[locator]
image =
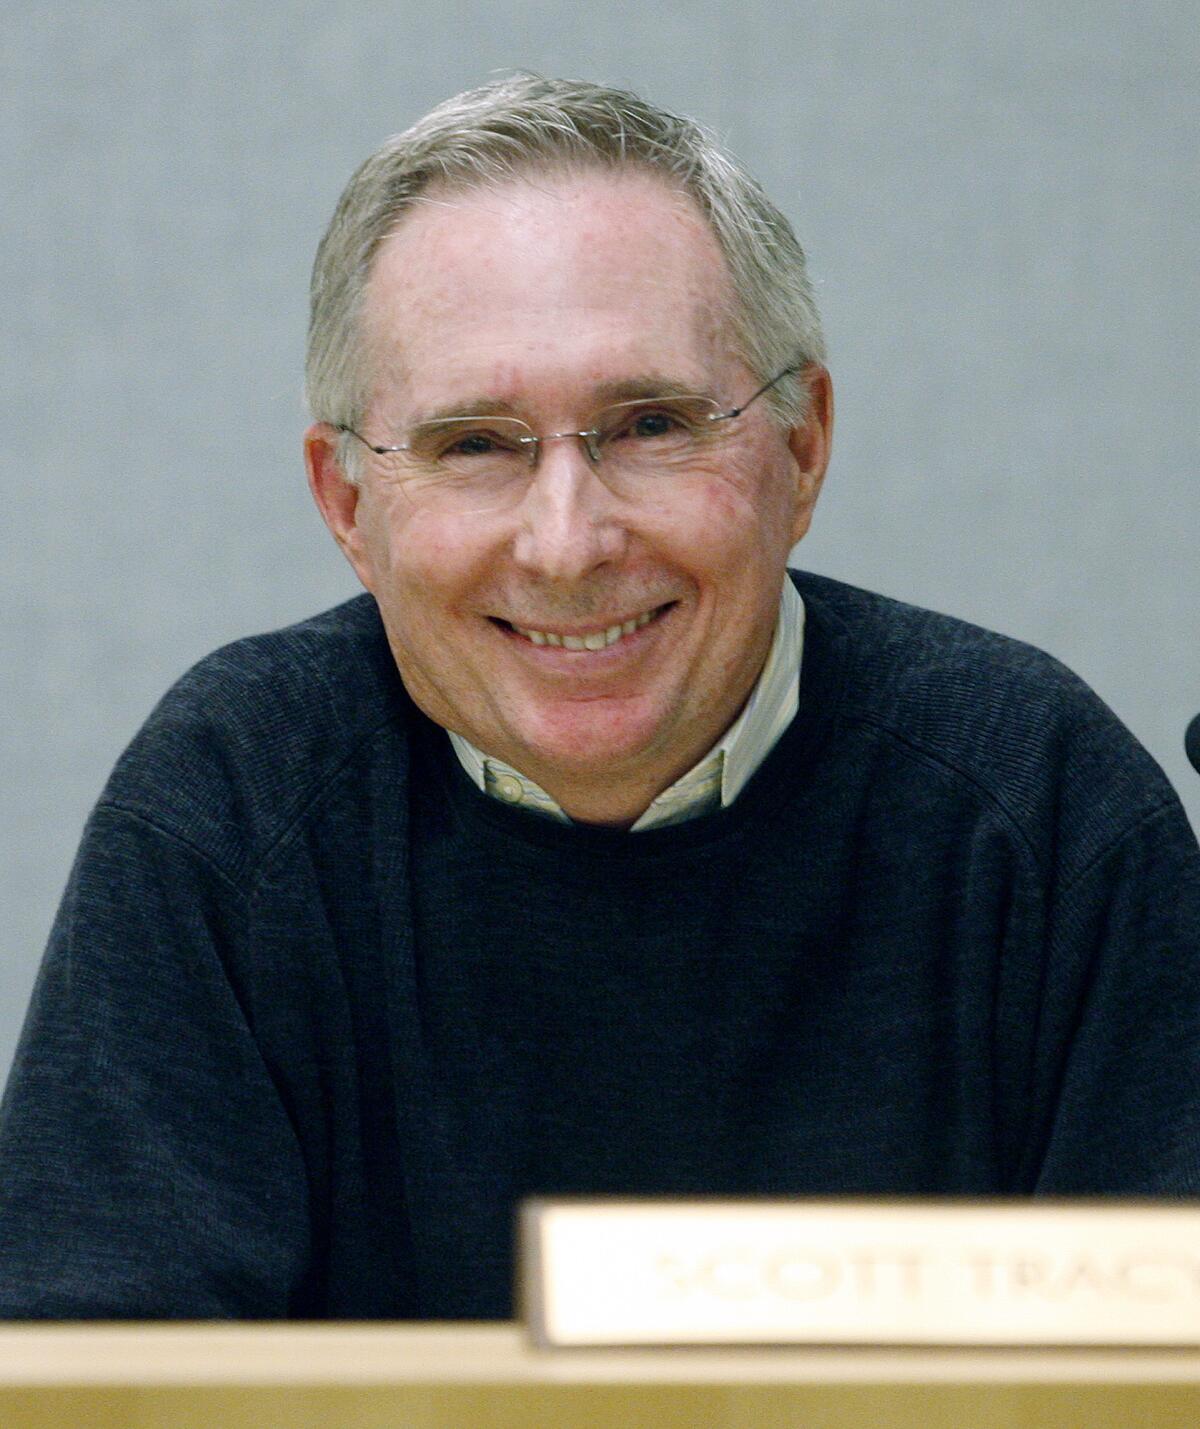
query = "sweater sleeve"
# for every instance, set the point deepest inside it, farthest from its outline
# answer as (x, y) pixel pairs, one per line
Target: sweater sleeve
(147, 1167)
(1126, 934)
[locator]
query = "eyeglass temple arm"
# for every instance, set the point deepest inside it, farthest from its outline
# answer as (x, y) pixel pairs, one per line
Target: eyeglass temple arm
(779, 376)
(370, 446)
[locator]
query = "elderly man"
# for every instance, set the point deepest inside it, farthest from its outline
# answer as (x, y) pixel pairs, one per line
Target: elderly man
(591, 851)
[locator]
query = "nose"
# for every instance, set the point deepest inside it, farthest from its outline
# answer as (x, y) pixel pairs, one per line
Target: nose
(570, 523)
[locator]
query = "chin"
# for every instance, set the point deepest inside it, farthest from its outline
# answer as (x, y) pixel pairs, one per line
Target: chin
(594, 744)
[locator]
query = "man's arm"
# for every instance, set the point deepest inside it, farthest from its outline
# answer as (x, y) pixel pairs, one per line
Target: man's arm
(147, 1168)
(1127, 933)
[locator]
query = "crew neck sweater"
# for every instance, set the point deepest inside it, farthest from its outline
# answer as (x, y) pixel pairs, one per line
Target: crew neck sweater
(317, 1013)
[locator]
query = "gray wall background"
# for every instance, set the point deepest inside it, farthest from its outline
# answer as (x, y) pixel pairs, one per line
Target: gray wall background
(1000, 205)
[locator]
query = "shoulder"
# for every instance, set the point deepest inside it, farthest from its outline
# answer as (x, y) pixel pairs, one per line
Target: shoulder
(248, 738)
(906, 661)
(996, 715)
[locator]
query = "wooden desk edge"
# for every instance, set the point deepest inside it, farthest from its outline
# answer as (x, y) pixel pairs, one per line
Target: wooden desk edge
(438, 1354)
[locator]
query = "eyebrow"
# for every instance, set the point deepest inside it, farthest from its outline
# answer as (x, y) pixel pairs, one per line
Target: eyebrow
(626, 389)
(473, 407)
(654, 385)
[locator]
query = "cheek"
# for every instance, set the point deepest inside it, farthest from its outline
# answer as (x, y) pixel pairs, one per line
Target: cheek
(405, 547)
(727, 519)
(741, 520)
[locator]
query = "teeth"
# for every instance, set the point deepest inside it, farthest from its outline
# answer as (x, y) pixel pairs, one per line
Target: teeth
(594, 640)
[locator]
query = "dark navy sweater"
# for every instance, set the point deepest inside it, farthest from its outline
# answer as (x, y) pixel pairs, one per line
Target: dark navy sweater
(316, 1013)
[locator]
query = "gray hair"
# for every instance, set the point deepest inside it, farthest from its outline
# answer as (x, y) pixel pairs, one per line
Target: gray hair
(524, 124)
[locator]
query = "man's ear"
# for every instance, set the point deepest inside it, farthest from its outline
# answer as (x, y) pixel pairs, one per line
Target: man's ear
(337, 497)
(811, 444)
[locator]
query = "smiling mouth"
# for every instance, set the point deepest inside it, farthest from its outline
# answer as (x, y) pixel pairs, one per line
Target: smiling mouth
(598, 639)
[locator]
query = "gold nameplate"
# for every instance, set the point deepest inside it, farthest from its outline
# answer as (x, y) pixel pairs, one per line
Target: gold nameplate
(715, 1272)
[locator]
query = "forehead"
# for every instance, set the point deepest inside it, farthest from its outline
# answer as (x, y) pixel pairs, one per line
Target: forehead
(562, 275)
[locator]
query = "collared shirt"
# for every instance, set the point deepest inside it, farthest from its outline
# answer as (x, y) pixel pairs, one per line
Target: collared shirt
(718, 778)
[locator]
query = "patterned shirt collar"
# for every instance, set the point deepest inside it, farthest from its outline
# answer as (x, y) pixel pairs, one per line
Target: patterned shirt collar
(718, 778)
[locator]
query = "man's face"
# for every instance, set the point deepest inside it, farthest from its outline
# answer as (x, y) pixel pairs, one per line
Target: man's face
(548, 299)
